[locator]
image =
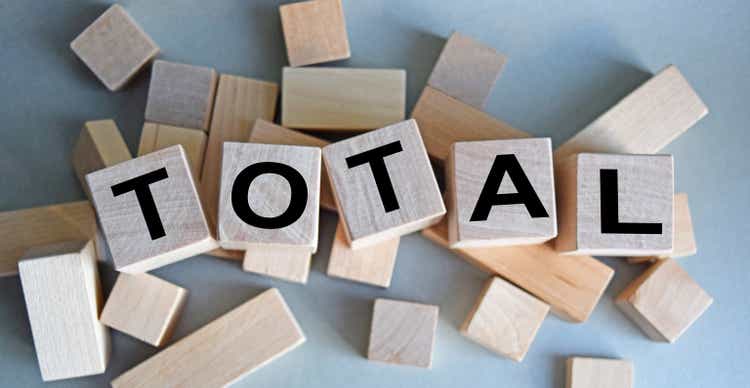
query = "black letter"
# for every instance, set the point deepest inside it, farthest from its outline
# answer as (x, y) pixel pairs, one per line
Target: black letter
(376, 158)
(297, 202)
(142, 190)
(610, 214)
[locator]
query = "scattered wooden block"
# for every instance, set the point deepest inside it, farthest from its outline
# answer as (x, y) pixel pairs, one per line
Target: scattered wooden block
(402, 333)
(144, 307)
(181, 95)
(383, 184)
(585, 372)
(149, 211)
(339, 98)
(160, 136)
(225, 350)
(664, 301)
(372, 265)
(505, 319)
(63, 298)
(314, 32)
(114, 47)
(99, 145)
(684, 236)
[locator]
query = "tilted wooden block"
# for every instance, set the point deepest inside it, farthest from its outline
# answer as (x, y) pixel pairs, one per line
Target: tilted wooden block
(585, 372)
(314, 32)
(225, 350)
(181, 95)
(63, 298)
(371, 265)
(114, 47)
(505, 319)
(684, 236)
(159, 136)
(99, 145)
(664, 301)
(327, 98)
(402, 333)
(144, 307)
(383, 184)
(150, 212)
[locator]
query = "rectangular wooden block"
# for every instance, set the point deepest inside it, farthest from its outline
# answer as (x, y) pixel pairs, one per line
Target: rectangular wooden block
(684, 236)
(181, 95)
(339, 98)
(402, 333)
(372, 265)
(114, 47)
(314, 32)
(99, 145)
(144, 307)
(63, 298)
(290, 263)
(159, 136)
(583, 372)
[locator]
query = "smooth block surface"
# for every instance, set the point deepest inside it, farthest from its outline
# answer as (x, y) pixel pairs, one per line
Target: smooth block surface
(583, 372)
(99, 145)
(156, 137)
(402, 333)
(314, 32)
(371, 265)
(684, 235)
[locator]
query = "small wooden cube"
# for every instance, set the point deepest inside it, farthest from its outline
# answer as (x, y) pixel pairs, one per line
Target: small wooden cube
(372, 265)
(181, 95)
(314, 32)
(383, 184)
(144, 307)
(156, 137)
(684, 236)
(402, 333)
(583, 372)
(149, 211)
(99, 145)
(114, 47)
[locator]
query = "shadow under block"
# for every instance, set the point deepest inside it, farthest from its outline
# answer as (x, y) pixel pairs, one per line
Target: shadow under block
(371, 265)
(99, 145)
(63, 298)
(402, 333)
(181, 95)
(144, 307)
(628, 212)
(684, 236)
(582, 372)
(223, 351)
(484, 172)
(377, 205)
(314, 32)
(159, 136)
(141, 240)
(664, 301)
(505, 319)
(328, 98)
(114, 47)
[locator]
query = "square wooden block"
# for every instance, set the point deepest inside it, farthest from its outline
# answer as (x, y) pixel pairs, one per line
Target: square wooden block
(181, 95)
(149, 211)
(615, 205)
(314, 32)
(402, 333)
(99, 145)
(144, 307)
(383, 184)
(114, 47)
(684, 235)
(583, 372)
(156, 137)
(501, 192)
(372, 265)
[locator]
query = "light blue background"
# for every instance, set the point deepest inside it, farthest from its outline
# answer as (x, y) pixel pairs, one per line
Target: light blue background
(568, 62)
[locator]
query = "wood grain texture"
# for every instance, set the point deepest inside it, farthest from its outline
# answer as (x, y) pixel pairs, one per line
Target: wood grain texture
(372, 265)
(402, 333)
(225, 350)
(63, 298)
(156, 137)
(290, 263)
(583, 372)
(684, 235)
(145, 307)
(99, 145)
(114, 47)
(314, 32)
(327, 98)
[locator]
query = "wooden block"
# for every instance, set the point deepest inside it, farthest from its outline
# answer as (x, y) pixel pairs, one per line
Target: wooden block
(225, 350)
(160, 136)
(403, 333)
(314, 32)
(149, 211)
(502, 192)
(444, 120)
(383, 184)
(181, 95)
(505, 319)
(684, 236)
(467, 70)
(615, 205)
(63, 298)
(99, 145)
(664, 301)
(585, 372)
(144, 307)
(114, 47)
(372, 265)
(327, 98)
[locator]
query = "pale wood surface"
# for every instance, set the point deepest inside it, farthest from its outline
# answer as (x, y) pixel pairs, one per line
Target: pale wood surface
(684, 235)
(290, 263)
(402, 333)
(583, 372)
(314, 32)
(156, 137)
(371, 265)
(99, 145)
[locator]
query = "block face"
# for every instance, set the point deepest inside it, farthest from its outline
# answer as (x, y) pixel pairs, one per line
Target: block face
(314, 32)
(684, 235)
(585, 372)
(402, 333)
(159, 136)
(99, 145)
(287, 262)
(370, 218)
(181, 95)
(372, 265)
(114, 47)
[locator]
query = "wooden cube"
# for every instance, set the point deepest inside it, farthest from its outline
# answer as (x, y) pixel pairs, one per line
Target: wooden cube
(150, 212)
(372, 265)
(383, 184)
(403, 333)
(502, 192)
(156, 137)
(63, 298)
(505, 319)
(615, 205)
(114, 47)
(181, 95)
(664, 301)
(99, 145)
(144, 307)
(583, 372)
(314, 32)
(684, 236)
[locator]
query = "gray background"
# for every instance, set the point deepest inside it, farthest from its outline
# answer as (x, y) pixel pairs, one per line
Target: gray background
(568, 62)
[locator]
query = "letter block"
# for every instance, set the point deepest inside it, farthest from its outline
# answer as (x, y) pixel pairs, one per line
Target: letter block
(616, 205)
(156, 137)
(402, 333)
(586, 372)
(314, 32)
(501, 192)
(99, 145)
(149, 211)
